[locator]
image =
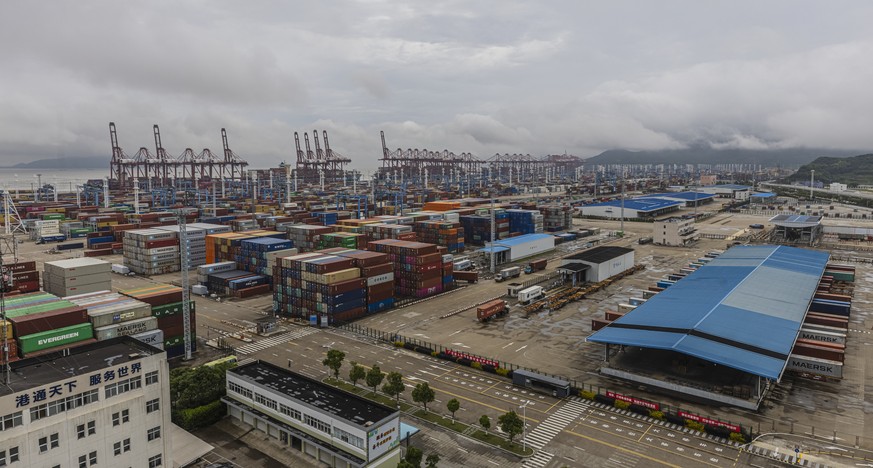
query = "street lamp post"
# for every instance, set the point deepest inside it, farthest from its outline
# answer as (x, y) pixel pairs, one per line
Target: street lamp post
(524, 425)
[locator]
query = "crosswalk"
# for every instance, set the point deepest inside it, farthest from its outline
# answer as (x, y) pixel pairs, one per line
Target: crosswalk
(275, 340)
(548, 429)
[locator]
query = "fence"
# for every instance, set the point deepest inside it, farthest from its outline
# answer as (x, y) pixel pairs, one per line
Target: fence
(751, 427)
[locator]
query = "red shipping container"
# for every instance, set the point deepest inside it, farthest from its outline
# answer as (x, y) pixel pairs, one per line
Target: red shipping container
(374, 297)
(21, 267)
(377, 270)
(58, 348)
(348, 315)
(161, 243)
(348, 285)
(97, 253)
(381, 287)
(26, 286)
(35, 323)
(25, 276)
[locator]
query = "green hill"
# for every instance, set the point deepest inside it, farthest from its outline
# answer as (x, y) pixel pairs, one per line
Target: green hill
(857, 170)
(794, 157)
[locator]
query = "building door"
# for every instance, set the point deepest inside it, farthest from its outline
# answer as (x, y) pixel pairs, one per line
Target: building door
(296, 443)
(283, 437)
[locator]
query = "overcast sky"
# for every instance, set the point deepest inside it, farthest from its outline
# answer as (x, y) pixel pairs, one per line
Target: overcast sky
(532, 77)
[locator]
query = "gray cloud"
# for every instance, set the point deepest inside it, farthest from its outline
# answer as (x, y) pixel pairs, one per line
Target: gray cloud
(481, 77)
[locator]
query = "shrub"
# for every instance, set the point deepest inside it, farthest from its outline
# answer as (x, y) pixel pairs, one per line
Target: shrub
(586, 394)
(435, 354)
(444, 356)
(398, 344)
(694, 425)
(604, 399)
(737, 437)
(409, 346)
(476, 365)
(464, 361)
(502, 372)
(423, 350)
(717, 431)
(621, 404)
(656, 415)
(639, 409)
(672, 418)
(201, 416)
(489, 368)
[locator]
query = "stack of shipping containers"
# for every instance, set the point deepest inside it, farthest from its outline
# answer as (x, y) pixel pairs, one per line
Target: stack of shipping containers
(77, 276)
(378, 271)
(151, 251)
(445, 233)
(342, 239)
(380, 231)
(418, 267)
(318, 284)
(25, 278)
(305, 236)
(41, 323)
(112, 315)
(525, 221)
(556, 217)
(166, 306)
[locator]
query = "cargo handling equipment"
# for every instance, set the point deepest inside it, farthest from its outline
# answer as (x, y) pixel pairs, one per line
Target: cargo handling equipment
(567, 295)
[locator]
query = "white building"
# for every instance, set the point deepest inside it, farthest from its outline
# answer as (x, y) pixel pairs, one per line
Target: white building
(334, 427)
(597, 264)
(838, 187)
(674, 231)
(632, 209)
(517, 248)
(105, 404)
(737, 192)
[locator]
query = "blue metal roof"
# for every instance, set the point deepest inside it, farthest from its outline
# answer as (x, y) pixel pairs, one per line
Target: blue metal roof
(689, 196)
(764, 195)
(742, 310)
(640, 204)
(522, 239)
(497, 248)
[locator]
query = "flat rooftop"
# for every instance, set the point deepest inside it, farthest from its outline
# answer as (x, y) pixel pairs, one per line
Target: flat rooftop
(796, 221)
(687, 196)
(639, 204)
(343, 405)
(599, 255)
(80, 360)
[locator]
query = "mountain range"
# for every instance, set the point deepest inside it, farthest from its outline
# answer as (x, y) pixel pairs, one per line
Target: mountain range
(857, 170)
(87, 162)
(788, 158)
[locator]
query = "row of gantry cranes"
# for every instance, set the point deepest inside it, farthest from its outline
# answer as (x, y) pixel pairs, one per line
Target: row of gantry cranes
(316, 164)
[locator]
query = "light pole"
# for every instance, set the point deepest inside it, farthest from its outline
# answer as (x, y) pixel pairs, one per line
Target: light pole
(524, 425)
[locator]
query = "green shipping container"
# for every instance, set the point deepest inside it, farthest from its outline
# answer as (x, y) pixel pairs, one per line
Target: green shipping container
(171, 309)
(55, 216)
(37, 309)
(177, 340)
(58, 337)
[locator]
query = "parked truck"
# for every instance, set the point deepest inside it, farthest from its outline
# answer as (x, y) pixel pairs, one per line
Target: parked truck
(468, 276)
(491, 310)
(507, 273)
(526, 296)
(536, 265)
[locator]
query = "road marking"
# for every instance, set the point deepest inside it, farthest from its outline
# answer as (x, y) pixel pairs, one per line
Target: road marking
(622, 449)
(519, 349)
(510, 344)
(455, 333)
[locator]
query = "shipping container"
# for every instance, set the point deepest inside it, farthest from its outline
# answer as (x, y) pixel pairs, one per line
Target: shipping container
(53, 338)
(530, 294)
(40, 322)
(490, 310)
(132, 327)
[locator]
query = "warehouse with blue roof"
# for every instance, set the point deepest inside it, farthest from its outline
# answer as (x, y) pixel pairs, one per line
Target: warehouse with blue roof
(633, 208)
(723, 333)
(689, 199)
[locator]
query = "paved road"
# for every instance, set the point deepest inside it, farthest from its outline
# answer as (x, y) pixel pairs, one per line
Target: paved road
(570, 432)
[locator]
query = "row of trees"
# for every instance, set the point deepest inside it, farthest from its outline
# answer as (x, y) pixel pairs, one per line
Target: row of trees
(510, 423)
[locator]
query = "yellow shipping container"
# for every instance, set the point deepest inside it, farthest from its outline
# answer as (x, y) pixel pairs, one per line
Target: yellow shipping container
(342, 275)
(8, 326)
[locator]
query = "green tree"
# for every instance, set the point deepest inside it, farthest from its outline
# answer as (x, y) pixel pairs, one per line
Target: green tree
(405, 464)
(374, 377)
(413, 456)
(334, 361)
(511, 424)
(356, 373)
(394, 385)
(422, 393)
(453, 405)
(432, 460)
(485, 422)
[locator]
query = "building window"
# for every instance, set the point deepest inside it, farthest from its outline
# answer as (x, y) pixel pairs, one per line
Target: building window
(85, 430)
(64, 404)
(154, 433)
(120, 417)
(155, 461)
(153, 405)
(348, 438)
(321, 426)
(151, 377)
(50, 442)
(293, 413)
(7, 458)
(119, 447)
(11, 420)
(123, 386)
(239, 390)
(92, 428)
(262, 400)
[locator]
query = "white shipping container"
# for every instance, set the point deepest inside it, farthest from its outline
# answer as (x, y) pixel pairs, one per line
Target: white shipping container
(77, 266)
(815, 366)
(823, 336)
(530, 294)
(380, 279)
(122, 312)
(133, 327)
(120, 269)
(154, 338)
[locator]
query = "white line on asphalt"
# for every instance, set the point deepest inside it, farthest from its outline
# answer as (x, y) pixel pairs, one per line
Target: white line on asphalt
(510, 344)
(455, 333)
(519, 349)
